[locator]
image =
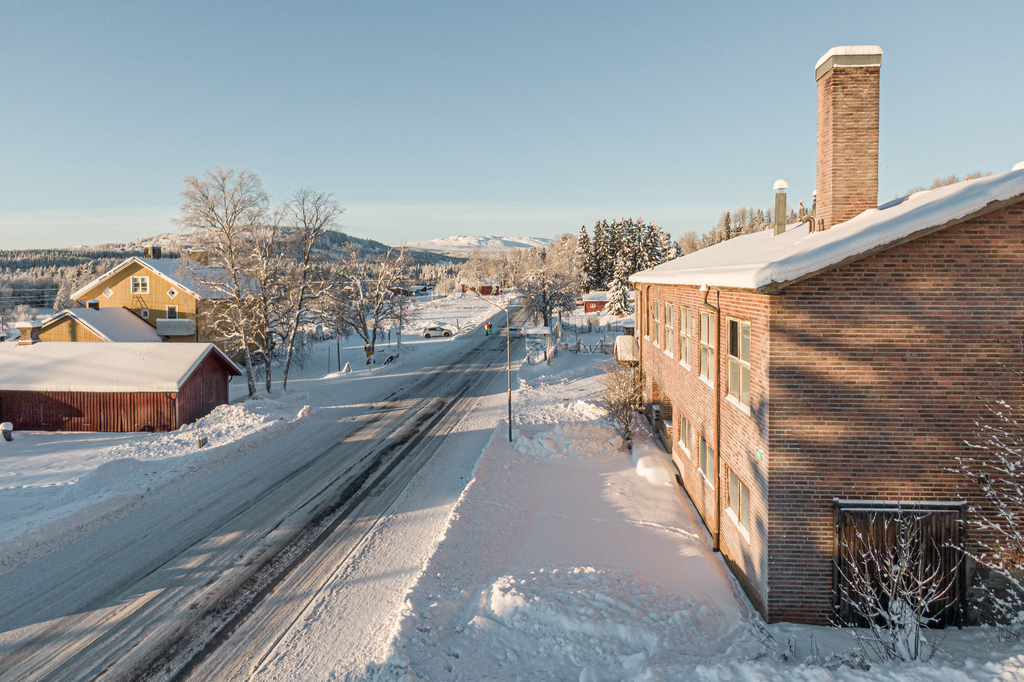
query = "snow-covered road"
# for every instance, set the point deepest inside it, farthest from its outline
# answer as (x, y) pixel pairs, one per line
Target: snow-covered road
(203, 578)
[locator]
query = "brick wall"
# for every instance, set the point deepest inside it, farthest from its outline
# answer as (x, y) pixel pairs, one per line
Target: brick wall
(878, 372)
(742, 430)
(847, 182)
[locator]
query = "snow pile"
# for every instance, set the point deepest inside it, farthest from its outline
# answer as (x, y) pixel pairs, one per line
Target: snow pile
(572, 442)
(50, 477)
(225, 424)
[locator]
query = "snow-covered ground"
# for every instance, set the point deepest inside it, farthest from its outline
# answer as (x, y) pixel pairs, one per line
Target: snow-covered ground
(568, 558)
(52, 485)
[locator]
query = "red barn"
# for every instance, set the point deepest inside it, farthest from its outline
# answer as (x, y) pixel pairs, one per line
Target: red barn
(804, 374)
(64, 386)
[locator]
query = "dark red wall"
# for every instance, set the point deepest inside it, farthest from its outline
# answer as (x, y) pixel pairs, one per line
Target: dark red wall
(204, 390)
(65, 411)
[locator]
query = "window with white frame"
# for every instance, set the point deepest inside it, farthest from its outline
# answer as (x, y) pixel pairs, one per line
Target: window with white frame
(140, 285)
(739, 500)
(172, 292)
(684, 336)
(684, 434)
(144, 313)
(668, 329)
(739, 361)
(655, 321)
(707, 345)
(707, 462)
(172, 312)
(108, 292)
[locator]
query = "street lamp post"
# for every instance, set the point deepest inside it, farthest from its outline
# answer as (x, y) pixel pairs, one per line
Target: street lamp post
(508, 357)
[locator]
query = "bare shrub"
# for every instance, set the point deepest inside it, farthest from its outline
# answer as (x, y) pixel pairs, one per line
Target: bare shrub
(998, 526)
(623, 397)
(894, 594)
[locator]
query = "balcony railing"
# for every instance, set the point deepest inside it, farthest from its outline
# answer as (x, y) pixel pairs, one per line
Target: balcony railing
(175, 327)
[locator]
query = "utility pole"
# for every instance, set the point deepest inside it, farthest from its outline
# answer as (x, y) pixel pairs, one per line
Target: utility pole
(508, 358)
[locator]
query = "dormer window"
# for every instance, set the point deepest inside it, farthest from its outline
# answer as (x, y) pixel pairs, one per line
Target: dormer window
(140, 285)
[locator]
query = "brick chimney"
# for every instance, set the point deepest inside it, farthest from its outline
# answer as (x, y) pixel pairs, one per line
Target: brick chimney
(29, 330)
(847, 132)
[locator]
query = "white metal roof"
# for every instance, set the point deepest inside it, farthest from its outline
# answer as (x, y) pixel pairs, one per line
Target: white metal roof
(102, 367)
(111, 324)
(765, 261)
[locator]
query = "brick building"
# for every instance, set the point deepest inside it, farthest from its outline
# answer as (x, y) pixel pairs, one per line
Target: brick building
(796, 370)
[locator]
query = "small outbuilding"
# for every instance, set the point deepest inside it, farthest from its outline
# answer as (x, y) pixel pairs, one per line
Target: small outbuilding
(596, 301)
(125, 387)
(485, 287)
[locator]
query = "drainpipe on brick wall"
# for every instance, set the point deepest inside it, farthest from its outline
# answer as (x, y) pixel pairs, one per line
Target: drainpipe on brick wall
(717, 533)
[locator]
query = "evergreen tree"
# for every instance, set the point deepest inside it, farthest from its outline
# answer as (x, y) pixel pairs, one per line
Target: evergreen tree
(584, 258)
(727, 227)
(618, 296)
(668, 247)
(603, 256)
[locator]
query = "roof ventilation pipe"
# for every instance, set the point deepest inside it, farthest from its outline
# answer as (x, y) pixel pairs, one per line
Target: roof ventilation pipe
(780, 205)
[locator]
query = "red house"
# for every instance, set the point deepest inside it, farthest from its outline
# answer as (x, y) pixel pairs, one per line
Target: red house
(804, 374)
(487, 287)
(66, 386)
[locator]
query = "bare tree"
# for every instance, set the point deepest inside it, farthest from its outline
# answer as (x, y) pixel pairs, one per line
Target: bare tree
(223, 208)
(266, 268)
(369, 287)
(623, 398)
(552, 279)
(310, 215)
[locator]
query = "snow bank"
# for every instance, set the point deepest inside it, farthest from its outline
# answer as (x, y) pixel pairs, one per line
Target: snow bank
(55, 485)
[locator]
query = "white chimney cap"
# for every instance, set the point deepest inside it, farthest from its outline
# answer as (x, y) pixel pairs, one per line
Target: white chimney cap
(781, 184)
(849, 51)
(1019, 166)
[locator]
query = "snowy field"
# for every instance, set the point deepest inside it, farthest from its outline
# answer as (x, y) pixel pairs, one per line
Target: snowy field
(55, 485)
(568, 559)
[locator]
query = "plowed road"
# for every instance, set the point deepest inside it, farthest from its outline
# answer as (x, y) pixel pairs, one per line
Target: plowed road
(204, 580)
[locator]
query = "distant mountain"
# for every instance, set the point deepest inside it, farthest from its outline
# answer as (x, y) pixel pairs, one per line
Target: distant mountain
(176, 243)
(463, 245)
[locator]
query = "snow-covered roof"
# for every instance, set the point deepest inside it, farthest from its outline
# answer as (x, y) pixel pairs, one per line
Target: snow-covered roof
(102, 367)
(765, 261)
(625, 349)
(111, 324)
(481, 282)
(171, 269)
(536, 331)
(603, 295)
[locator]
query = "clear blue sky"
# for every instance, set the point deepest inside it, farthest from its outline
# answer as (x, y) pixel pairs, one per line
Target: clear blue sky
(433, 118)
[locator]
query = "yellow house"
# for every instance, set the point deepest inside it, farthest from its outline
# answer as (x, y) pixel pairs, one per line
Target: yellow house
(94, 325)
(157, 290)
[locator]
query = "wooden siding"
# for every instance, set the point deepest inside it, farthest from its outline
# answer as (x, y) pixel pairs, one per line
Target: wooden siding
(68, 329)
(203, 391)
(68, 411)
(156, 300)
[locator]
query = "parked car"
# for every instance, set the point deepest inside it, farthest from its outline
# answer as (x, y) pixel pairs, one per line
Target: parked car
(436, 331)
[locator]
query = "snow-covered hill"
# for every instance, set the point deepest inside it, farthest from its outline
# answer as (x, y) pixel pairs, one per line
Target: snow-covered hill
(462, 245)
